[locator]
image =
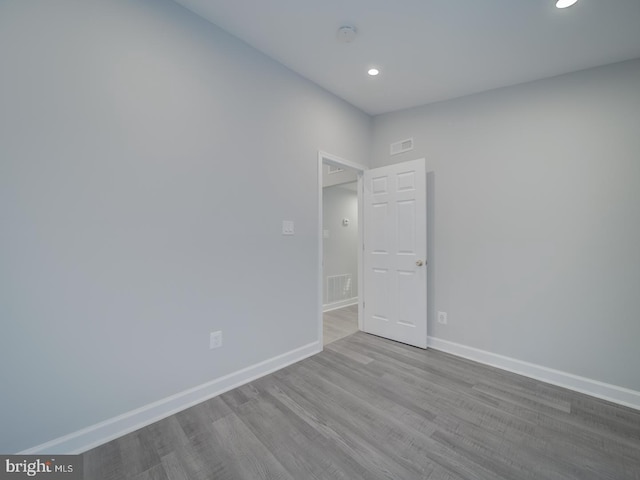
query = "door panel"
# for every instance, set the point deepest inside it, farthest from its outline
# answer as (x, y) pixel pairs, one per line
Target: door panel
(379, 227)
(381, 287)
(406, 227)
(395, 240)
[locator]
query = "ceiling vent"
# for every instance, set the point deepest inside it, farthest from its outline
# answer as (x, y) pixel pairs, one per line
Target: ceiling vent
(402, 146)
(331, 169)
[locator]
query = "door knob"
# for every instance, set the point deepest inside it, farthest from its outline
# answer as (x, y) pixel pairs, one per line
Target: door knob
(419, 263)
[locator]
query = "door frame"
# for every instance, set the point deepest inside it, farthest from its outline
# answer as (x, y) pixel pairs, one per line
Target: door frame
(327, 158)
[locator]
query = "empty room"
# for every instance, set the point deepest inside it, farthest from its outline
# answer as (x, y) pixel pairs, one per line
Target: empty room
(176, 301)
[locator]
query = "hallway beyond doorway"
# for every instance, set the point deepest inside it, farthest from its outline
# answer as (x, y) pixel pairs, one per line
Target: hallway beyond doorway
(339, 323)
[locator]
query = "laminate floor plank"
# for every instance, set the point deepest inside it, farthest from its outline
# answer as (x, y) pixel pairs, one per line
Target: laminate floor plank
(137, 453)
(237, 454)
(295, 443)
(491, 414)
(104, 462)
(500, 446)
(534, 457)
(418, 451)
(370, 408)
(194, 461)
(504, 401)
(350, 353)
(439, 363)
(410, 415)
(337, 324)
(164, 437)
(524, 399)
(371, 382)
(478, 412)
(154, 473)
(173, 467)
(343, 429)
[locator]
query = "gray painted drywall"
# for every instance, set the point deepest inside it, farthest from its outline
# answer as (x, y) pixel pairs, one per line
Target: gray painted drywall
(535, 228)
(146, 160)
(340, 248)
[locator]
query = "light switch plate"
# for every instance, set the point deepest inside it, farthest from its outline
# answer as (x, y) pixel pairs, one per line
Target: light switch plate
(288, 227)
(215, 340)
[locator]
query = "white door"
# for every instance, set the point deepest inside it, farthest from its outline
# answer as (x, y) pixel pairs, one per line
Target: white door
(395, 249)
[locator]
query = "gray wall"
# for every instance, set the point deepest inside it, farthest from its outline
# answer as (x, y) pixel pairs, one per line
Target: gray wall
(535, 227)
(145, 166)
(340, 248)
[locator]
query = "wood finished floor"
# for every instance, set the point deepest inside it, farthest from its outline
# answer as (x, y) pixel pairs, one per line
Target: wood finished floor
(369, 408)
(337, 324)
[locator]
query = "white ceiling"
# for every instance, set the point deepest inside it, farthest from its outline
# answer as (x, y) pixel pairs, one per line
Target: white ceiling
(429, 50)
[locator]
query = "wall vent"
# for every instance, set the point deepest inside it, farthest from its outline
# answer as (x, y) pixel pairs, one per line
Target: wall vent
(339, 288)
(334, 169)
(402, 146)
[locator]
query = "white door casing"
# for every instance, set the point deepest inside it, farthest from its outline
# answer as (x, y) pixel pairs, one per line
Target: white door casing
(324, 157)
(395, 249)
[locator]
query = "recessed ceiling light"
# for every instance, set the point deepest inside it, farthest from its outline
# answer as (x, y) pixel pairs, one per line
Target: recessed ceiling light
(373, 72)
(565, 3)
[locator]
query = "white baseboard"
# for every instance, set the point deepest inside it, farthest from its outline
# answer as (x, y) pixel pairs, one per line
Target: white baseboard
(341, 304)
(95, 435)
(620, 395)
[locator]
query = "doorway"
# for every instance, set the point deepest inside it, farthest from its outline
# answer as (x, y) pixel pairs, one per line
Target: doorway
(340, 253)
(393, 209)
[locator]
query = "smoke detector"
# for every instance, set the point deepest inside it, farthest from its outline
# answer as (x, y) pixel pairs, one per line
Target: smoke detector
(347, 34)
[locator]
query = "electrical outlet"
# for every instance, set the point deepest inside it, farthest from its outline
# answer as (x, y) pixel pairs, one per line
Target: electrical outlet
(215, 340)
(442, 317)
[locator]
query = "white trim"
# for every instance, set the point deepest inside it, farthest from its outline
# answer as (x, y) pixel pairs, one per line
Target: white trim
(335, 160)
(361, 250)
(620, 395)
(328, 307)
(320, 237)
(324, 157)
(95, 435)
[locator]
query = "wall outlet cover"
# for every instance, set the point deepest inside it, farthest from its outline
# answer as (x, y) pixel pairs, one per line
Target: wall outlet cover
(442, 317)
